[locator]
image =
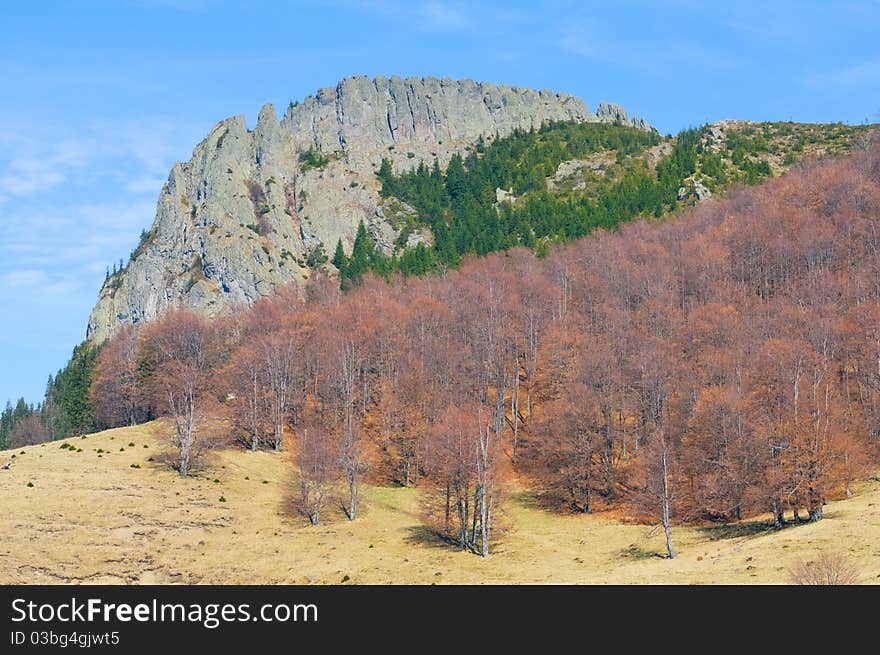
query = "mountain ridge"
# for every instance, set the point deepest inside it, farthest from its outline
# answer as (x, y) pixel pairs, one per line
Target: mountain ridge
(252, 209)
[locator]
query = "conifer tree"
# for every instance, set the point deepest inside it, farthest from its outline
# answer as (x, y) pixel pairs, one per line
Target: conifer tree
(361, 254)
(340, 261)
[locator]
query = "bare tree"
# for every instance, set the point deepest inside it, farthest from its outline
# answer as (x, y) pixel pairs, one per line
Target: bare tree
(351, 464)
(176, 351)
(315, 467)
(829, 568)
(115, 393)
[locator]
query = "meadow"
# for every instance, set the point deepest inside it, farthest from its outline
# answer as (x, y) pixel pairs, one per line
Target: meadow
(105, 509)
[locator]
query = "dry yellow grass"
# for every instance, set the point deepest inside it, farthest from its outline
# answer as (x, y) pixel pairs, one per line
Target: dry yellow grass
(98, 520)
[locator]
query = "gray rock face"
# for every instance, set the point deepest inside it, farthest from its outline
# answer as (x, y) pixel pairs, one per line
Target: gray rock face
(245, 213)
(696, 189)
(609, 112)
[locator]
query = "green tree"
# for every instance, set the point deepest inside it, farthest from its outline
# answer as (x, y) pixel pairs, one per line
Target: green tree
(6, 425)
(456, 178)
(340, 261)
(361, 254)
(69, 393)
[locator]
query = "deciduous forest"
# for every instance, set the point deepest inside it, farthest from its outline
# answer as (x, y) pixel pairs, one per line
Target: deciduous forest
(719, 364)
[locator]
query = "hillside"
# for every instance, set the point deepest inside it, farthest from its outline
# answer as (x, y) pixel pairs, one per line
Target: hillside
(713, 372)
(255, 209)
(91, 519)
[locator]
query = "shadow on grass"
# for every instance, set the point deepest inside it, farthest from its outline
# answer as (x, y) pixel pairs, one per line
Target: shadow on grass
(737, 530)
(422, 535)
(634, 552)
(527, 500)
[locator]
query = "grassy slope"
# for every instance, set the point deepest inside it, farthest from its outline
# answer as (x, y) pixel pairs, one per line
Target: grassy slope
(96, 519)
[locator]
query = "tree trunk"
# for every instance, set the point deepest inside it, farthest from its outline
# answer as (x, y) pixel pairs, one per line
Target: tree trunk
(484, 522)
(514, 408)
(778, 514)
(667, 526)
(352, 501)
(448, 508)
(477, 510)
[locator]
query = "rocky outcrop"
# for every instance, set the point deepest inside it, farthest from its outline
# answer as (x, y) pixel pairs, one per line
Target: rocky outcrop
(694, 188)
(253, 208)
(608, 112)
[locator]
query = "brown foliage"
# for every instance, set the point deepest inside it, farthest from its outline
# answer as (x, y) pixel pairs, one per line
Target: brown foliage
(27, 432)
(177, 353)
(115, 394)
(718, 365)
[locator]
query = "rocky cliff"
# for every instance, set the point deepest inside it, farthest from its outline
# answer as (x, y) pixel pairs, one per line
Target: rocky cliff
(254, 209)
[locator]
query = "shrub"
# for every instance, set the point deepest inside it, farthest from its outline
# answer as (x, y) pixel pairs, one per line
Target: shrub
(829, 568)
(312, 159)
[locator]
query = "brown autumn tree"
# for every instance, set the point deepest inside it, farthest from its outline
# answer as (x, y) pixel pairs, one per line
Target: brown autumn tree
(176, 350)
(247, 396)
(27, 432)
(466, 477)
(116, 393)
(715, 366)
(314, 459)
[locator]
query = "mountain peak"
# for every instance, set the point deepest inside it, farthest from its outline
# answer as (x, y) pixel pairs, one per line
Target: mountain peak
(251, 209)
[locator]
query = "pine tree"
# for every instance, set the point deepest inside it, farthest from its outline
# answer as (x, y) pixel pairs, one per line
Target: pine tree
(69, 392)
(6, 424)
(361, 254)
(456, 181)
(386, 176)
(340, 261)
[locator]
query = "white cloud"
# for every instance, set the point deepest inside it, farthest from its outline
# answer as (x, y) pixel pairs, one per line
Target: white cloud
(23, 278)
(33, 172)
(74, 242)
(141, 152)
(445, 16)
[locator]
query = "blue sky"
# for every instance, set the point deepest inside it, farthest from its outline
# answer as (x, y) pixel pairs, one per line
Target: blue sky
(99, 98)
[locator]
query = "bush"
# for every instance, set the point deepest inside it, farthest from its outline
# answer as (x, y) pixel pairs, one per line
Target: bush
(829, 568)
(312, 159)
